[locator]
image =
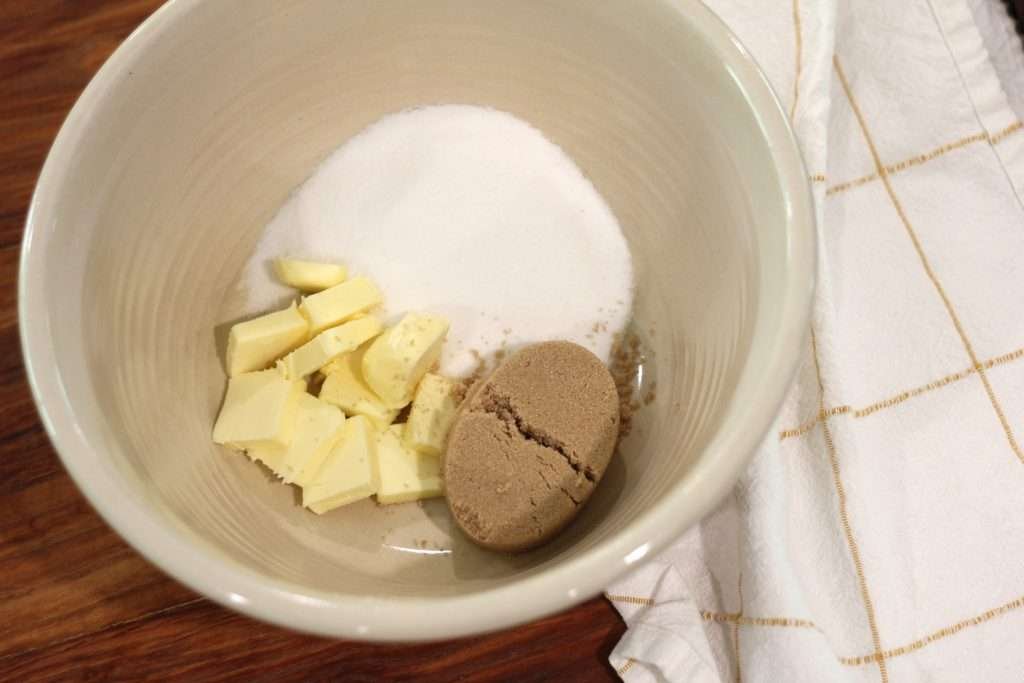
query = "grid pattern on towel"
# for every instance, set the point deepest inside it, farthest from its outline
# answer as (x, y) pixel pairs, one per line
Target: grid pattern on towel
(906, 422)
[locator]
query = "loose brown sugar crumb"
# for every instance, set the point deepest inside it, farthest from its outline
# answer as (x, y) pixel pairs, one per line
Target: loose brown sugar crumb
(652, 394)
(480, 371)
(466, 383)
(462, 388)
(626, 357)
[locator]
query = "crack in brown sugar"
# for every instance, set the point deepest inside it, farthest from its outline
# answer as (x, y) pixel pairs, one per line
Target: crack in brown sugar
(552, 487)
(502, 408)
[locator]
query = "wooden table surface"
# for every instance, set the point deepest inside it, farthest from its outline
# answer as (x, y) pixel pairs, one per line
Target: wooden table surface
(76, 603)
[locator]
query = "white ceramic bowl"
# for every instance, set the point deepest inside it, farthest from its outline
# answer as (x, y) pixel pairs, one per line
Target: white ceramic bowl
(194, 132)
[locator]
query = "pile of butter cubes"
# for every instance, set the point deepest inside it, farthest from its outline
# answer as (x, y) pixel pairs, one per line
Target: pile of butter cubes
(341, 445)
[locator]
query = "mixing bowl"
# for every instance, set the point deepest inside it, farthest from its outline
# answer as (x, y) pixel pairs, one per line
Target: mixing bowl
(192, 135)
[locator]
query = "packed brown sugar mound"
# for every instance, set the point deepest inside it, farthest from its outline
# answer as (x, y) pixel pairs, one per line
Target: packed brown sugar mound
(530, 445)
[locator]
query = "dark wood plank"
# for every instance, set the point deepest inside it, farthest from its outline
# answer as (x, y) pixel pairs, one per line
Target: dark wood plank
(199, 640)
(8, 290)
(49, 49)
(65, 572)
(76, 602)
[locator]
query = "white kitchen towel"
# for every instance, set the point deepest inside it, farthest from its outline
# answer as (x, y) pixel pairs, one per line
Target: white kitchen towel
(878, 534)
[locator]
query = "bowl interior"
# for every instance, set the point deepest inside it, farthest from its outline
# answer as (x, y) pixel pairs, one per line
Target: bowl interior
(216, 113)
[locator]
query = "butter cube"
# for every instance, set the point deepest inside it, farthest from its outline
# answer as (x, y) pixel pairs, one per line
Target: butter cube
(271, 456)
(397, 360)
(338, 303)
(345, 388)
(348, 473)
(402, 473)
(255, 344)
(309, 276)
(433, 411)
(328, 345)
(258, 411)
(317, 429)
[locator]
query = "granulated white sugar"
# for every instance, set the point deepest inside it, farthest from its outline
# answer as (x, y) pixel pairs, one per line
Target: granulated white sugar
(469, 213)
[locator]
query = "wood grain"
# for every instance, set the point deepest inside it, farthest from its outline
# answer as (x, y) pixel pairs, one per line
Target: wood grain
(197, 640)
(76, 603)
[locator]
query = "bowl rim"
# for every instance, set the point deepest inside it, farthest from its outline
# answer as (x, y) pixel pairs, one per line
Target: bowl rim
(405, 618)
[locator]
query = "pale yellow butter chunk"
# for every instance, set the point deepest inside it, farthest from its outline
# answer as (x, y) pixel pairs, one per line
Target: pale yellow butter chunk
(347, 475)
(255, 344)
(402, 473)
(258, 411)
(397, 360)
(330, 344)
(433, 411)
(317, 429)
(271, 456)
(344, 387)
(338, 303)
(309, 276)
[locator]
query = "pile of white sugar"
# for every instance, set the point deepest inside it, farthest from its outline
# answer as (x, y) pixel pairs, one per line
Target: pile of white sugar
(469, 213)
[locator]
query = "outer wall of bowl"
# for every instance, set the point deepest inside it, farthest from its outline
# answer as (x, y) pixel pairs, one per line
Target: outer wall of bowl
(571, 582)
